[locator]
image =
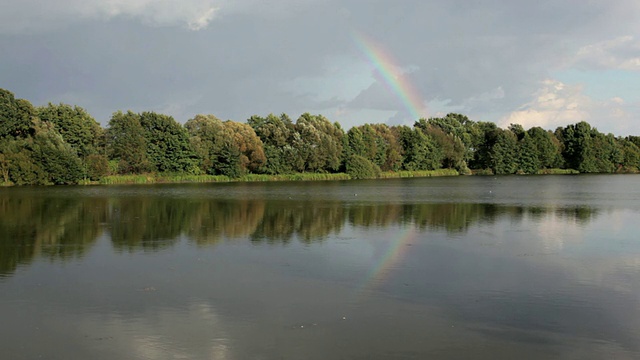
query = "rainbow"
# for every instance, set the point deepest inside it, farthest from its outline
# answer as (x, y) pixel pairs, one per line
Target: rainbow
(396, 81)
(394, 254)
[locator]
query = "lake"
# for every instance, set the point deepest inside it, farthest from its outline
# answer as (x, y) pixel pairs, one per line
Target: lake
(520, 267)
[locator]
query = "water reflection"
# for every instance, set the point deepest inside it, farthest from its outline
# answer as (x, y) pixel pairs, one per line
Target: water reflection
(303, 271)
(65, 227)
(53, 228)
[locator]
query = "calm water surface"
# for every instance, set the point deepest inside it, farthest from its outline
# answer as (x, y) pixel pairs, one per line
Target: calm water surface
(445, 268)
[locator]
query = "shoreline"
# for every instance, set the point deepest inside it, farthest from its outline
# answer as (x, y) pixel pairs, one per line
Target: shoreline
(183, 179)
(152, 178)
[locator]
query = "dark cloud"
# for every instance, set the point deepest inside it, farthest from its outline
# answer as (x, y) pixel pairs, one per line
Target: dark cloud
(147, 56)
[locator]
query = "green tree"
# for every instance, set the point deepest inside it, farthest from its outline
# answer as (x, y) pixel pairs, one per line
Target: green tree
(634, 139)
(377, 143)
(19, 164)
(167, 144)
(242, 143)
(318, 143)
(359, 167)
(547, 146)
(487, 136)
(608, 153)
(459, 129)
(126, 143)
(517, 130)
(15, 116)
(503, 153)
(356, 143)
(206, 135)
(56, 157)
(528, 160)
(578, 149)
(227, 148)
(452, 148)
(276, 134)
(77, 127)
(631, 155)
(419, 150)
(393, 149)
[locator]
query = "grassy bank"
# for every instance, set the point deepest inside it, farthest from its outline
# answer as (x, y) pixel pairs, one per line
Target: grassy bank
(558, 172)
(186, 178)
(412, 174)
(489, 172)
(183, 178)
(160, 179)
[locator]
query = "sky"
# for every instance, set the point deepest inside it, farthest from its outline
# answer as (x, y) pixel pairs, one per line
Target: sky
(545, 63)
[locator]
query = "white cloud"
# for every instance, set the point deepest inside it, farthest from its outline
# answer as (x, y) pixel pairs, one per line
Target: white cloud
(621, 53)
(557, 104)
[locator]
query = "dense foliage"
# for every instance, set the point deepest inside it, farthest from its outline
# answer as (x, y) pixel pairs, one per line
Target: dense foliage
(63, 144)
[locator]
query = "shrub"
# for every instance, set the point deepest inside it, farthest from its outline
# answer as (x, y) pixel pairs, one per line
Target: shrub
(97, 166)
(359, 167)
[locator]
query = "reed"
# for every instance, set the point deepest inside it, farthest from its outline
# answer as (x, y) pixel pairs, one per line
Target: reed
(482, 172)
(128, 179)
(558, 172)
(188, 178)
(421, 173)
(295, 177)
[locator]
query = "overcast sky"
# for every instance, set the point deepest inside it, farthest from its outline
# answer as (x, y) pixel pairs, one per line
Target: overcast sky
(542, 63)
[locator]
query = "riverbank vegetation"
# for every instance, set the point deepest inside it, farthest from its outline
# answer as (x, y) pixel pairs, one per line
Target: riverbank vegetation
(64, 144)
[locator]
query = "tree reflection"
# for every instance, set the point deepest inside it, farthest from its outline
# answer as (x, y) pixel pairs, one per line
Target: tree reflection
(148, 223)
(215, 220)
(308, 221)
(62, 228)
(57, 228)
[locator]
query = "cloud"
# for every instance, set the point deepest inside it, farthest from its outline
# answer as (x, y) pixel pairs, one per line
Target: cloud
(554, 104)
(485, 60)
(34, 16)
(377, 97)
(621, 53)
(558, 104)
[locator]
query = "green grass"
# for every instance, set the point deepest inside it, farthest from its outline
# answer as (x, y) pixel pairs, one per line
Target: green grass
(489, 172)
(294, 177)
(412, 174)
(558, 172)
(186, 178)
(127, 179)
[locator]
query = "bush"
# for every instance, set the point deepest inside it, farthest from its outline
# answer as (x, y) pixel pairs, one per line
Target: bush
(359, 167)
(97, 166)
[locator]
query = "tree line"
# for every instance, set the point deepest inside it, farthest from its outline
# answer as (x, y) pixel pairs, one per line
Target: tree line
(64, 144)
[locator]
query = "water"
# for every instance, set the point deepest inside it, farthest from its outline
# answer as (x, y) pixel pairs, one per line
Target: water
(447, 268)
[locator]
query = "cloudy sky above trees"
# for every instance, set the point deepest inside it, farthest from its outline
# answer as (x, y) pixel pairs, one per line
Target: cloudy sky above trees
(547, 63)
